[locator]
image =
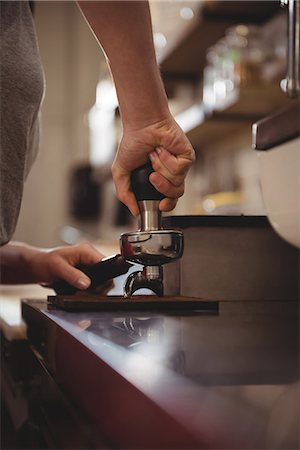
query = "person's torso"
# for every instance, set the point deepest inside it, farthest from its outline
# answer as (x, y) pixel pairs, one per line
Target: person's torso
(21, 92)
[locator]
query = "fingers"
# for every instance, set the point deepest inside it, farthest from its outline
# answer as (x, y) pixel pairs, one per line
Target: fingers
(169, 175)
(165, 187)
(171, 155)
(85, 253)
(70, 274)
(61, 263)
(161, 184)
(173, 167)
(167, 204)
(123, 190)
(169, 182)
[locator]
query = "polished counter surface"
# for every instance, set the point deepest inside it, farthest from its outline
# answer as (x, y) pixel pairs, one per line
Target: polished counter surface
(228, 379)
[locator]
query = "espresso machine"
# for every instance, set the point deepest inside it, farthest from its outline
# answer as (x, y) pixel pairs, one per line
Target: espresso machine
(151, 247)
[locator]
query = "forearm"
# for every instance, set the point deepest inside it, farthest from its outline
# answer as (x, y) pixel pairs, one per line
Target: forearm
(21, 263)
(15, 267)
(124, 31)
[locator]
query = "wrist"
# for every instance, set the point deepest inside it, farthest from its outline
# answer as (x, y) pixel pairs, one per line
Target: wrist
(144, 117)
(17, 263)
(31, 260)
(142, 99)
(142, 122)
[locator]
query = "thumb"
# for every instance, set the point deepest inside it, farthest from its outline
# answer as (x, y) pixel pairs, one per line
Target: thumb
(71, 275)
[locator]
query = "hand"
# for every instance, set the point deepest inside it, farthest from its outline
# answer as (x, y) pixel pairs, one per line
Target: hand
(171, 155)
(46, 267)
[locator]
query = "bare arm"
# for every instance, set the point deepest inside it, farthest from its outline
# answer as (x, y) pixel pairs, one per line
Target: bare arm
(124, 31)
(21, 263)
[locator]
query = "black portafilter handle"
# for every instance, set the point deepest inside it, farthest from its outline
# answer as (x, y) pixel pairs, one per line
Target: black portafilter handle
(141, 186)
(99, 273)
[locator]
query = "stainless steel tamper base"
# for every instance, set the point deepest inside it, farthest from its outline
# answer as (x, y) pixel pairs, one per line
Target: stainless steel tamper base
(152, 249)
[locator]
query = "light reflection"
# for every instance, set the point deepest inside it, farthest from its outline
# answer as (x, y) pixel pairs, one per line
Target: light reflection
(220, 89)
(186, 13)
(103, 139)
(10, 312)
(84, 324)
(70, 235)
(143, 336)
(241, 406)
(160, 40)
(190, 118)
(143, 368)
(209, 205)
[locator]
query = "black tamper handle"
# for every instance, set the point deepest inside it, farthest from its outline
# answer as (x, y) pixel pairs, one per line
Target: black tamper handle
(141, 186)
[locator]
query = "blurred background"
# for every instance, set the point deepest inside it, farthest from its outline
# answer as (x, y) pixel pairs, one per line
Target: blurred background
(221, 62)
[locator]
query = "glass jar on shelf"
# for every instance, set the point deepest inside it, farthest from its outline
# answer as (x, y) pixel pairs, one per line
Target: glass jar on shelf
(219, 77)
(209, 76)
(251, 51)
(237, 60)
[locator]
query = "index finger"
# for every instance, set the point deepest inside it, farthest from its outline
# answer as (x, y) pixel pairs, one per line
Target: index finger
(123, 189)
(175, 164)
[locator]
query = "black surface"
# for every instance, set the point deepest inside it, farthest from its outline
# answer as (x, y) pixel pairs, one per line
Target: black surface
(141, 186)
(216, 221)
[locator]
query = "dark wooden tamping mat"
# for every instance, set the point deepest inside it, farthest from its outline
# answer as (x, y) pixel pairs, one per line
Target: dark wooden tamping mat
(137, 302)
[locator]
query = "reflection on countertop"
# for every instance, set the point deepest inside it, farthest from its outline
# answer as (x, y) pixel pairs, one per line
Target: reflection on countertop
(239, 368)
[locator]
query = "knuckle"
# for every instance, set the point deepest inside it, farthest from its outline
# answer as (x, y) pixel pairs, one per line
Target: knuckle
(121, 196)
(186, 163)
(188, 158)
(177, 181)
(192, 155)
(83, 246)
(173, 171)
(87, 245)
(54, 258)
(75, 275)
(114, 171)
(56, 265)
(171, 203)
(161, 184)
(179, 191)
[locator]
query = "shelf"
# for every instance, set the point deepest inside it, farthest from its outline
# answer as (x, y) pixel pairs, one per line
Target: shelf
(254, 102)
(184, 56)
(213, 129)
(250, 11)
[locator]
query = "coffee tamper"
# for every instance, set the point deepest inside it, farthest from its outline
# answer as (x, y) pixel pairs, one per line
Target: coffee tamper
(151, 246)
